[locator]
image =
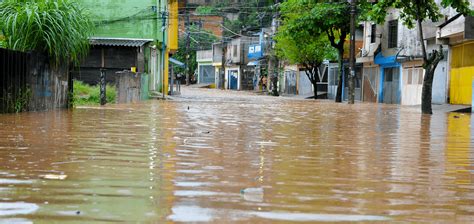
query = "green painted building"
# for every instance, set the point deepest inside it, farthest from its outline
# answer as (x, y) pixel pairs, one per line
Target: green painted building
(128, 34)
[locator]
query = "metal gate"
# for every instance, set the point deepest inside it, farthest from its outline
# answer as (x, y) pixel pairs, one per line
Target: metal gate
(290, 82)
(14, 93)
(391, 85)
(206, 74)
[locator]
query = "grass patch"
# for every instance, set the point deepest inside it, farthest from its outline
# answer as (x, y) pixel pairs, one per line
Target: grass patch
(85, 94)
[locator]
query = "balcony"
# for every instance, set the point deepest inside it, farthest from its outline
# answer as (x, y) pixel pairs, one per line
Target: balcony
(204, 56)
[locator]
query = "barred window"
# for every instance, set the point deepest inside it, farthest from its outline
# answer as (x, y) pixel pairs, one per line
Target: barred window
(392, 33)
(373, 33)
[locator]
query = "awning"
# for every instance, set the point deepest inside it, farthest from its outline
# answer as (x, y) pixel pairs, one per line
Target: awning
(118, 42)
(380, 59)
(176, 62)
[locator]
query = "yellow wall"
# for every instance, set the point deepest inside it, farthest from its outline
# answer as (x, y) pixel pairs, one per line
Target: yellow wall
(173, 26)
(462, 73)
(461, 85)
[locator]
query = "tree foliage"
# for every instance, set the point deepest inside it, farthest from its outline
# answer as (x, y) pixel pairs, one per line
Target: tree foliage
(302, 46)
(330, 17)
(413, 10)
(59, 28)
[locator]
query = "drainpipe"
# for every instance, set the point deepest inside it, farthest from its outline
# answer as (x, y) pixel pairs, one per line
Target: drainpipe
(163, 51)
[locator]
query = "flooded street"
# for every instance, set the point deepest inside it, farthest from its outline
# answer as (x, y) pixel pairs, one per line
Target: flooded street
(236, 158)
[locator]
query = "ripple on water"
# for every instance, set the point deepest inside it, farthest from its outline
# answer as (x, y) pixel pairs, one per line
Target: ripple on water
(17, 208)
(184, 213)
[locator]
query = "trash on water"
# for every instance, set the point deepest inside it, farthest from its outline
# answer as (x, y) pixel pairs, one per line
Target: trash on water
(54, 176)
(252, 194)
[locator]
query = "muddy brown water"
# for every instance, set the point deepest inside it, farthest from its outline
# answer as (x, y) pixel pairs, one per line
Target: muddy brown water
(247, 160)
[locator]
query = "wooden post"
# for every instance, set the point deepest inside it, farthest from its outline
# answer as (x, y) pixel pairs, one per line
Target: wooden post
(103, 96)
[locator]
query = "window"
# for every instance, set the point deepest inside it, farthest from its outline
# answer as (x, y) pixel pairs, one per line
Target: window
(388, 75)
(392, 33)
(373, 33)
(234, 50)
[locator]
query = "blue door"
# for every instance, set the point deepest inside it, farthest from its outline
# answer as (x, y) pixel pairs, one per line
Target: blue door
(233, 77)
(391, 85)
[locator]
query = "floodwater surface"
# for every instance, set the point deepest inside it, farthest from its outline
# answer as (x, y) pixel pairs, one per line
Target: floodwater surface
(248, 160)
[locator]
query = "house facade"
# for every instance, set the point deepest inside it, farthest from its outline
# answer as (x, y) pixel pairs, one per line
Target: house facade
(140, 39)
(392, 70)
(238, 74)
(205, 70)
(457, 32)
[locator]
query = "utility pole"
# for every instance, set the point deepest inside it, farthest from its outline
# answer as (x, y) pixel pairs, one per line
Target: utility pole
(186, 24)
(224, 51)
(352, 75)
(163, 52)
(273, 62)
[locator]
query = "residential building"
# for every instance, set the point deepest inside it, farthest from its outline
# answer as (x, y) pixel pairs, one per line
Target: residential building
(392, 63)
(205, 71)
(238, 74)
(458, 33)
(139, 38)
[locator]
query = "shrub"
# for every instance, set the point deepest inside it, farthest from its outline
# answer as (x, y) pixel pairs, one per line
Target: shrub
(85, 94)
(59, 28)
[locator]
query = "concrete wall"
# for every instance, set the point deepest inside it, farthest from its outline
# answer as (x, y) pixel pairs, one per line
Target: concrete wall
(408, 43)
(128, 87)
(412, 83)
(209, 23)
(125, 18)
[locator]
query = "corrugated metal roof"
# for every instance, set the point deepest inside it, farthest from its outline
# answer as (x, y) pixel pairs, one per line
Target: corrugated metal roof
(119, 42)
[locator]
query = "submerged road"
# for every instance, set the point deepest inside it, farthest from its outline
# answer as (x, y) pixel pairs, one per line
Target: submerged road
(220, 156)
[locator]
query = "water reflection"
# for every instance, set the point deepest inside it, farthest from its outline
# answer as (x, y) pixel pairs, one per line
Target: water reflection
(250, 160)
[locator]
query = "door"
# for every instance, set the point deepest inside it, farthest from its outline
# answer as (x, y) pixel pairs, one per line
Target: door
(153, 70)
(290, 82)
(333, 81)
(391, 85)
(440, 82)
(233, 77)
(370, 82)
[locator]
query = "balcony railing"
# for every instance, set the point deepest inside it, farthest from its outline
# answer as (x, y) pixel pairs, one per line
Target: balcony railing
(205, 55)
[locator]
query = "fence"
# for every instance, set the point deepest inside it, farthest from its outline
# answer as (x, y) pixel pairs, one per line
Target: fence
(28, 82)
(14, 95)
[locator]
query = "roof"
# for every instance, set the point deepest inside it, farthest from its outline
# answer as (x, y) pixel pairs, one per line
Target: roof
(118, 42)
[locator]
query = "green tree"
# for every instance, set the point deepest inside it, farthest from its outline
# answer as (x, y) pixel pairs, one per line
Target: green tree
(199, 40)
(414, 12)
(330, 17)
(302, 47)
(59, 28)
(307, 50)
